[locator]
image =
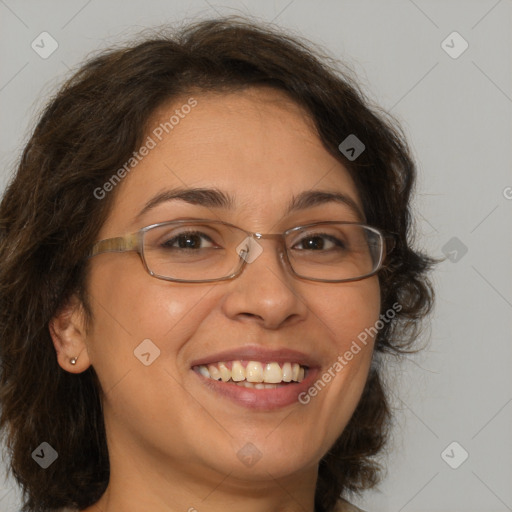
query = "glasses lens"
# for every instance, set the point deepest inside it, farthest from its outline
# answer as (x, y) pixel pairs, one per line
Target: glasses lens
(193, 251)
(335, 251)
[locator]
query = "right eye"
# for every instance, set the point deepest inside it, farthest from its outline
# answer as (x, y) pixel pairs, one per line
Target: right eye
(188, 240)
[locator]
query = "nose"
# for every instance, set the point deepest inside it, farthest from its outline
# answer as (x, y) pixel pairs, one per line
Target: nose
(266, 291)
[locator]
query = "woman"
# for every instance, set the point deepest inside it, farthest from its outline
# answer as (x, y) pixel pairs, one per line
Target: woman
(160, 351)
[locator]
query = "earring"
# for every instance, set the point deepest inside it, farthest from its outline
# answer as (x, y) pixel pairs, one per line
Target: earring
(73, 360)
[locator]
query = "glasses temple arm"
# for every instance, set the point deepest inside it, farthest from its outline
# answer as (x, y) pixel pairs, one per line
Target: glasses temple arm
(118, 244)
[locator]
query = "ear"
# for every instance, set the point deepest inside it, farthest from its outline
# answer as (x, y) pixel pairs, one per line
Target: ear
(68, 332)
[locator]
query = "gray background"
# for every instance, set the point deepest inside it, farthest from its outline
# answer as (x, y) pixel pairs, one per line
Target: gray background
(457, 114)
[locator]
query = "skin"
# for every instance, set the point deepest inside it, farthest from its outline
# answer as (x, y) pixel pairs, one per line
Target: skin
(172, 442)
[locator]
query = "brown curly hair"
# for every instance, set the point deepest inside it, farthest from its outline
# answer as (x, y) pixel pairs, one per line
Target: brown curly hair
(49, 217)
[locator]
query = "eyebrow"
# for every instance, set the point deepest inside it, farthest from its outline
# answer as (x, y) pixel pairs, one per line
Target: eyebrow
(214, 198)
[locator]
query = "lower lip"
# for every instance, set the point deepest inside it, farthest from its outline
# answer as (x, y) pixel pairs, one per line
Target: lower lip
(261, 399)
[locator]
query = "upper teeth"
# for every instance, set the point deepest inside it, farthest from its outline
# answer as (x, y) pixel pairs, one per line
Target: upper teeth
(271, 373)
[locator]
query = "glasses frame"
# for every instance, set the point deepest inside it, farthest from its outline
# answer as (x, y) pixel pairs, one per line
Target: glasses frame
(135, 242)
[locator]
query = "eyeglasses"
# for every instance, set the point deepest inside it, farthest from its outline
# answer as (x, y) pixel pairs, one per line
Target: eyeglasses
(202, 251)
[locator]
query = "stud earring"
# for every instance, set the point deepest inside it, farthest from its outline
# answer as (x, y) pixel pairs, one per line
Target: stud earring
(73, 360)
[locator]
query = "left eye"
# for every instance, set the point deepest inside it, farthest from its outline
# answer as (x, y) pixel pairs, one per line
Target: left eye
(319, 242)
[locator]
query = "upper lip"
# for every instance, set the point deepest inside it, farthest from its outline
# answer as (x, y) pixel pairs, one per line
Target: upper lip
(256, 353)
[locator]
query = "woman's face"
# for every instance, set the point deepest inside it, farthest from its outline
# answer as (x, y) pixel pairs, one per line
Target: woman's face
(258, 148)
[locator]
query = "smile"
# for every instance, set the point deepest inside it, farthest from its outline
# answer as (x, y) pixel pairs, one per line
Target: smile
(253, 390)
(254, 374)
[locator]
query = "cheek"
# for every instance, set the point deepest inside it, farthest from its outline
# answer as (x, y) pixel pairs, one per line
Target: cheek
(349, 308)
(349, 313)
(128, 311)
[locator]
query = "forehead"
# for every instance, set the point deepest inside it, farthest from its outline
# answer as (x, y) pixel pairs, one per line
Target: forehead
(242, 124)
(256, 145)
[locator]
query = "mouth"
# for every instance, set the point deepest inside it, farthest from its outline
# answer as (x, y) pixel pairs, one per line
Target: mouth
(254, 374)
(257, 378)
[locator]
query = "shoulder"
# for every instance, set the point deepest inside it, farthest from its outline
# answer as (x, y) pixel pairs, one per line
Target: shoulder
(345, 506)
